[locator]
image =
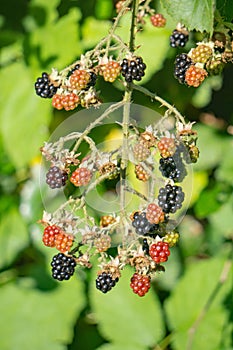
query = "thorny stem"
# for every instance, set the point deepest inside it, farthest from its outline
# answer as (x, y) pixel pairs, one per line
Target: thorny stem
(125, 128)
(161, 100)
(116, 22)
(98, 121)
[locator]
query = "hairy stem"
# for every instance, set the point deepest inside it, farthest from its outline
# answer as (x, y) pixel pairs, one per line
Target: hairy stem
(125, 128)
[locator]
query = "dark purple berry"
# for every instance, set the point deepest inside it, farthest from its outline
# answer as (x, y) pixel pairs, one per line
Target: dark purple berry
(56, 177)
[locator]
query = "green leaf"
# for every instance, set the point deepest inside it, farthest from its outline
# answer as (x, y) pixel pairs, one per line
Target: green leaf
(24, 115)
(119, 347)
(58, 41)
(103, 9)
(222, 220)
(188, 299)
(93, 31)
(125, 318)
(13, 236)
(194, 14)
(225, 7)
(225, 169)
(211, 152)
(39, 320)
(212, 197)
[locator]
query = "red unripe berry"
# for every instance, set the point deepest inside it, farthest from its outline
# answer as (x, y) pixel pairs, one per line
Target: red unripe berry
(194, 76)
(159, 252)
(79, 79)
(49, 235)
(63, 242)
(158, 20)
(81, 177)
(167, 147)
(154, 214)
(140, 284)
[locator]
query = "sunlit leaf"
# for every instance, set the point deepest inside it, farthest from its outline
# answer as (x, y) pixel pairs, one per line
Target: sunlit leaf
(135, 321)
(194, 14)
(93, 31)
(13, 236)
(39, 320)
(24, 118)
(187, 301)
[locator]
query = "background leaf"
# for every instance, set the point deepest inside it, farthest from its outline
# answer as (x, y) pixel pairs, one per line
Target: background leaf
(49, 324)
(14, 237)
(203, 277)
(24, 118)
(194, 14)
(145, 329)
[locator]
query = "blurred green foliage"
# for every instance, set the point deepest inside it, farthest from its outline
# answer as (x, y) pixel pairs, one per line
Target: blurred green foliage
(38, 313)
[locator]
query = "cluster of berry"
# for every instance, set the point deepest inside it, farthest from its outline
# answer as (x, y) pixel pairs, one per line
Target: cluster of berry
(75, 86)
(148, 227)
(208, 57)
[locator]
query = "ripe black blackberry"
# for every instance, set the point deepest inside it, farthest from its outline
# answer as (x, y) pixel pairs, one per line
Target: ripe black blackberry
(173, 168)
(43, 86)
(142, 225)
(133, 69)
(182, 63)
(56, 177)
(178, 38)
(170, 198)
(105, 283)
(145, 246)
(92, 81)
(63, 267)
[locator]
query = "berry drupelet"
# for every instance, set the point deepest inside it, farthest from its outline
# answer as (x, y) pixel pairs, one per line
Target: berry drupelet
(56, 177)
(63, 267)
(170, 198)
(133, 69)
(43, 86)
(105, 282)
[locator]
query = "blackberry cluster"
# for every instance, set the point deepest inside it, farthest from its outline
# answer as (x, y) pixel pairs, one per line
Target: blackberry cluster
(142, 225)
(133, 69)
(172, 168)
(105, 283)
(56, 177)
(63, 267)
(44, 88)
(178, 38)
(170, 198)
(182, 63)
